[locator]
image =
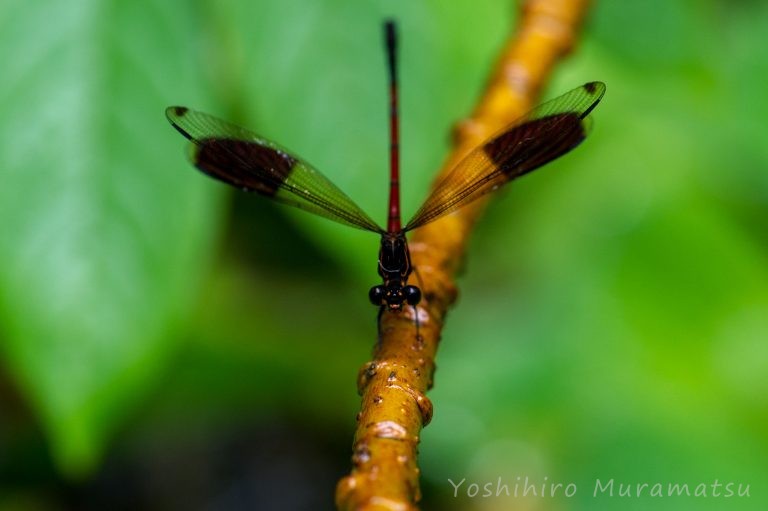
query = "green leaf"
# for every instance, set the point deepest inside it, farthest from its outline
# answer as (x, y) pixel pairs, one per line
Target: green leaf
(103, 232)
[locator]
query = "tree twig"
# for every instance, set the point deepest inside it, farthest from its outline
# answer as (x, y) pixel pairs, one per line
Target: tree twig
(385, 475)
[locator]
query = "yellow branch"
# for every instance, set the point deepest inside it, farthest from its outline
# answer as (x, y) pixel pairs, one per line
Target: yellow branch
(385, 475)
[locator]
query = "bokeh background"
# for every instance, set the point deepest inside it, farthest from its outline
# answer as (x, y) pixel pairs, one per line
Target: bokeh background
(169, 344)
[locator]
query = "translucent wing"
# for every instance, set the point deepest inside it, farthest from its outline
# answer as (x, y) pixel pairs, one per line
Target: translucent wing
(543, 134)
(244, 160)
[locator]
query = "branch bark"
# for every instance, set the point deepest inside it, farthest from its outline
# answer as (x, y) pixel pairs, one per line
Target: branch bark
(385, 474)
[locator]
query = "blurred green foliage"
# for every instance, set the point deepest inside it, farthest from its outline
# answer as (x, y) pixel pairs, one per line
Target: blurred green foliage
(613, 314)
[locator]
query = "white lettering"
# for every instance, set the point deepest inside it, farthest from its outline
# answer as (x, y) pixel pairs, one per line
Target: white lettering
(500, 486)
(608, 487)
(456, 486)
(528, 487)
(679, 489)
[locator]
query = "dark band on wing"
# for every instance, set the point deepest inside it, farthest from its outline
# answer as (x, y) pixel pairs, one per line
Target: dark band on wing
(247, 165)
(179, 111)
(534, 143)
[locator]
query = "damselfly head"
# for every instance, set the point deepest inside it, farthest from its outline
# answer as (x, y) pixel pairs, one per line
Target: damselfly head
(394, 296)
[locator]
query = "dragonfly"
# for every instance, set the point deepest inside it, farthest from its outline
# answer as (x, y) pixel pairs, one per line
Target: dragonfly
(247, 161)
